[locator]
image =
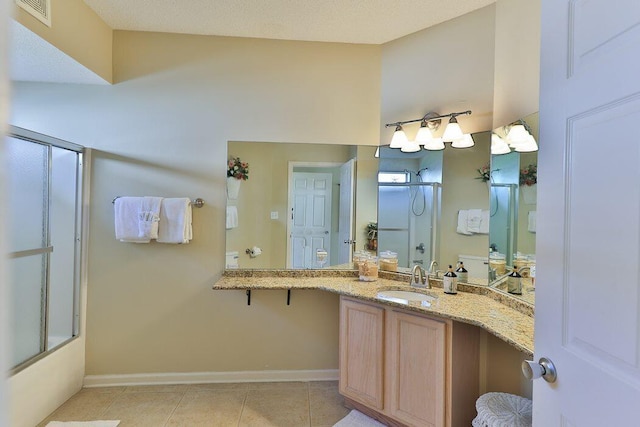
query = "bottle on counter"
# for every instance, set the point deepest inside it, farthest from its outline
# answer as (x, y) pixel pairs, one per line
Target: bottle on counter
(514, 282)
(450, 282)
(462, 273)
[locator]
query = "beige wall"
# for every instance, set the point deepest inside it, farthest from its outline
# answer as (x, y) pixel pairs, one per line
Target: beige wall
(163, 130)
(445, 68)
(517, 56)
(77, 31)
(366, 193)
(500, 367)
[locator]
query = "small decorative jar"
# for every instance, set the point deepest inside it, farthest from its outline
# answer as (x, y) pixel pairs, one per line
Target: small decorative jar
(388, 261)
(368, 270)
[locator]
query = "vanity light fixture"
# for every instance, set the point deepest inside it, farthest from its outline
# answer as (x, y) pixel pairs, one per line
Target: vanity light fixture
(399, 138)
(428, 124)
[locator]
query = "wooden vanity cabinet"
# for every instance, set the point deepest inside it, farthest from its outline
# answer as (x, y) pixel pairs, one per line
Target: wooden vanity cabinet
(362, 352)
(425, 369)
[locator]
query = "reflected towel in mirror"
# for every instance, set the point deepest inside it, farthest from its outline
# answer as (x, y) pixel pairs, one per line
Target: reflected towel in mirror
(232, 217)
(532, 222)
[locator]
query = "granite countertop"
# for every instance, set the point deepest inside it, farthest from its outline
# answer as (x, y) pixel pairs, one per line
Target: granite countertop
(503, 317)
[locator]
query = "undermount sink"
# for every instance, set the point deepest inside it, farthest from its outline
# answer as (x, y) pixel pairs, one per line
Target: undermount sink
(404, 297)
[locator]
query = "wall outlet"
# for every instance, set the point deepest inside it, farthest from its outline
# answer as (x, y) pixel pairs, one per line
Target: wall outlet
(274, 215)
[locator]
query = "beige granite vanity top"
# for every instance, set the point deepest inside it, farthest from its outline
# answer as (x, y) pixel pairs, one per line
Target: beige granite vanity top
(503, 317)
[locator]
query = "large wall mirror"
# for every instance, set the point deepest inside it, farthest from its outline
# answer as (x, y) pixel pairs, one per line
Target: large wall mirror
(513, 178)
(299, 199)
(449, 183)
(424, 201)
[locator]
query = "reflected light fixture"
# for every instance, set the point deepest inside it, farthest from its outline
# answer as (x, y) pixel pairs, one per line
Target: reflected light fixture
(465, 142)
(528, 146)
(411, 147)
(434, 144)
(518, 137)
(429, 123)
(498, 145)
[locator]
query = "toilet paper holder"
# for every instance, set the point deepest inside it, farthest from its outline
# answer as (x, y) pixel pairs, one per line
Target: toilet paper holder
(253, 252)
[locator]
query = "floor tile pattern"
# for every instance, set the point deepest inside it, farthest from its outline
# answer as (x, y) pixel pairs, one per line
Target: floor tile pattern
(274, 404)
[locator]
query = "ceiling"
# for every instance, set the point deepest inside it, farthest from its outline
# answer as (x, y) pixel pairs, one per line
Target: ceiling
(345, 21)
(342, 21)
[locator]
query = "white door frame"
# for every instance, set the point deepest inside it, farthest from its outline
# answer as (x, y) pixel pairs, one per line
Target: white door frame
(291, 166)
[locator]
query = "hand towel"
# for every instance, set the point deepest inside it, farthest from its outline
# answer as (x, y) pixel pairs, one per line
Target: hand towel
(531, 226)
(484, 222)
(473, 220)
(175, 221)
(149, 217)
(127, 219)
(463, 220)
(232, 217)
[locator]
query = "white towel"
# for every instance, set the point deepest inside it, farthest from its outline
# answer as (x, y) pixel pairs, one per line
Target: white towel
(484, 222)
(473, 220)
(357, 419)
(149, 217)
(126, 211)
(532, 222)
(232, 217)
(463, 220)
(175, 221)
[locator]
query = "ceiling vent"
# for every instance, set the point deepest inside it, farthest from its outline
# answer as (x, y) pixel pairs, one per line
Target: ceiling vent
(40, 9)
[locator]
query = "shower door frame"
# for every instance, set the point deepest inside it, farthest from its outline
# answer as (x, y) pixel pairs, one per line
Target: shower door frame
(81, 225)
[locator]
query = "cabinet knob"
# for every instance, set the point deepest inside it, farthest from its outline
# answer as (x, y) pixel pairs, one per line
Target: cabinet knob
(543, 368)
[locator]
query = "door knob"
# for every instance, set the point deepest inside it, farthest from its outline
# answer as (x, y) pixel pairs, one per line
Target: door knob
(543, 368)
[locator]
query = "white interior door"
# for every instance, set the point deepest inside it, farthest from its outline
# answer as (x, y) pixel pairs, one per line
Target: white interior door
(310, 217)
(347, 201)
(588, 242)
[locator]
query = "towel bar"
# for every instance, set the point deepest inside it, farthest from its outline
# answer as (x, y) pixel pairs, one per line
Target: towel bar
(196, 203)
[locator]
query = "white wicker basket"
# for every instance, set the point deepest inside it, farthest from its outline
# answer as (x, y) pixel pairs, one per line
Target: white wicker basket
(502, 410)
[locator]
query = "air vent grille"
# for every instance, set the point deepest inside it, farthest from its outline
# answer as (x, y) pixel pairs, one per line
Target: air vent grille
(40, 9)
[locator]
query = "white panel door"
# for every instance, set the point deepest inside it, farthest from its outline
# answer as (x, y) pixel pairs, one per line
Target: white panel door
(310, 217)
(347, 201)
(588, 241)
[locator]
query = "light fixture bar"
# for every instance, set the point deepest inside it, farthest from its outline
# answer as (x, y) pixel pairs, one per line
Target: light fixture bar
(428, 117)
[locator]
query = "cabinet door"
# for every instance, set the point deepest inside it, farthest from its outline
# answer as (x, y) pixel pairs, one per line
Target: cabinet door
(361, 352)
(415, 369)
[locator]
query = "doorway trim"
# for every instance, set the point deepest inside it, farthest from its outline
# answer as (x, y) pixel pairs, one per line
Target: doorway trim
(291, 166)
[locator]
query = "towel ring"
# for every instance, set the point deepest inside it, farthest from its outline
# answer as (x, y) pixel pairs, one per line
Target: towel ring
(197, 203)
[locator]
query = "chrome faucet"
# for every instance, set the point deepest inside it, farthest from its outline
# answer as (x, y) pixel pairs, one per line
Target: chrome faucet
(421, 280)
(433, 268)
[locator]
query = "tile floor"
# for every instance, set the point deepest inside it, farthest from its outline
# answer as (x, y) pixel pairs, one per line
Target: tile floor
(282, 404)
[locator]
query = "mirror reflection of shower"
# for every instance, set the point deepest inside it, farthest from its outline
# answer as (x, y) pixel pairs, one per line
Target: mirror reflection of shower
(409, 188)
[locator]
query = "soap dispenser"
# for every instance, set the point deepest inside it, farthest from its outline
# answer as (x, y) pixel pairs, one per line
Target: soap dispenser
(462, 273)
(450, 282)
(514, 282)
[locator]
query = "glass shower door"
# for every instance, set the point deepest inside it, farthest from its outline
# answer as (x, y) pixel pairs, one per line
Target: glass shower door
(28, 191)
(44, 213)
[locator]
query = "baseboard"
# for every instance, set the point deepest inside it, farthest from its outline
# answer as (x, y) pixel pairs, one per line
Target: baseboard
(209, 377)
